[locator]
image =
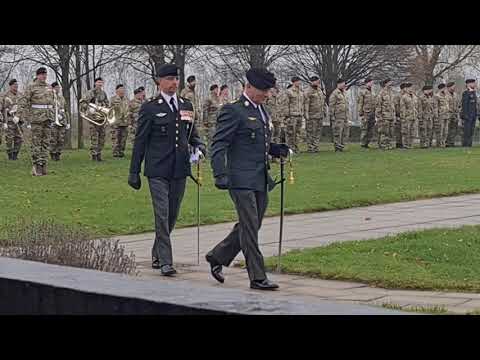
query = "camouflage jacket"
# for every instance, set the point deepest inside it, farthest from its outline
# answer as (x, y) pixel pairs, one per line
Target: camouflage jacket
(365, 102)
(98, 97)
(121, 106)
(426, 107)
(36, 93)
(314, 106)
(385, 105)
(190, 94)
(453, 103)
(273, 105)
(338, 104)
(441, 105)
(62, 109)
(294, 102)
(133, 109)
(8, 102)
(397, 102)
(408, 107)
(210, 109)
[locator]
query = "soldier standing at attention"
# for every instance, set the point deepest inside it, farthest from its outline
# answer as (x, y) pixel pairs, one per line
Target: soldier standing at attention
(315, 110)
(36, 105)
(165, 132)
(399, 141)
(273, 104)
(385, 114)
(119, 102)
(189, 93)
(440, 126)
(210, 109)
(339, 114)
(224, 95)
(408, 113)
(295, 112)
(366, 112)
(59, 132)
(12, 125)
(97, 133)
(453, 107)
(133, 109)
(425, 116)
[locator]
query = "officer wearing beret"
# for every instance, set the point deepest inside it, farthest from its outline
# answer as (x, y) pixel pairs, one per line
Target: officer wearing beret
(469, 112)
(165, 135)
(240, 150)
(426, 112)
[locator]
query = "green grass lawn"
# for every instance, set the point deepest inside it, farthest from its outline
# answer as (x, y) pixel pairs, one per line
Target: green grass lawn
(97, 197)
(437, 259)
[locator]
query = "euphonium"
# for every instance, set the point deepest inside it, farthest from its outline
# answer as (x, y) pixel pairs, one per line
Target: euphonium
(99, 115)
(57, 110)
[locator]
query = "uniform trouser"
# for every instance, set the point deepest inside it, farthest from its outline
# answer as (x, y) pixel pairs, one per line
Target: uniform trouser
(41, 133)
(367, 128)
(468, 130)
(291, 131)
(209, 131)
(1, 133)
(119, 139)
(277, 131)
(132, 130)
(341, 131)
(385, 132)
(13, 138)
(444, 120)
(425, 129)
(299, 129)
(314, 132)
(452, 130)
(436, 132)
(251, 206)
(57, 139)
(97, 139)
(399, 131)
(408, 132)
(167, 197)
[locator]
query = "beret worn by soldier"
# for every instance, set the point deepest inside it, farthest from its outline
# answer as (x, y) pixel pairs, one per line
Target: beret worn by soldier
(190, 78)
(367, 80)
(427, 87)
(223, 87)
(450, 84)
(138, 90)
(468, 81)
(213, 87)
(340, 81)
(314, 78)
(97, 79)
(294, 79)
(407, 85)
(41, 70)
(167, 70)
(440, 86)
(289, 86)
(54, 84)
(261, 79)
(118, 86)
(402, 86)
(13, 81)
(385, 82)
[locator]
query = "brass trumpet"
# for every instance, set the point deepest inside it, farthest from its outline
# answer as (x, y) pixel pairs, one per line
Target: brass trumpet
(99, 115)
(291, 178)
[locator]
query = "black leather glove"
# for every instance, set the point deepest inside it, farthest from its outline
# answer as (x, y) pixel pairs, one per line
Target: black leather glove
(279, 150)
(134, 181)
(221, 182)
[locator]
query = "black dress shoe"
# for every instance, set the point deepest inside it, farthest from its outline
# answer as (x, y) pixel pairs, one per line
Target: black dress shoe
(215, 269)
(167, 270)
(155, 263)
(263, 285)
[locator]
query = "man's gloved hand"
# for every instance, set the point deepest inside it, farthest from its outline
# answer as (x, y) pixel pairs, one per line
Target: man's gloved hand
(221, 182)
(279, 150)
(29, 126)
(67, 126)
(134, 181)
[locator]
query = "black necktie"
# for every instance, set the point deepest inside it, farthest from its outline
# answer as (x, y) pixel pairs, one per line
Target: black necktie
(174, 108)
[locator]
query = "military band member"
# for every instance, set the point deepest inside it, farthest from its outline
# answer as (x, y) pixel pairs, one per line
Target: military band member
(210, 111)
(120, 103)
(11, 123)
(240, 152)
(133, 110)
(454, 109)
(339, 114)
(315, 110)
(36, 107)
(57, 139)
(366, 112)
(165, 133)
(224, 95)
(97, 133)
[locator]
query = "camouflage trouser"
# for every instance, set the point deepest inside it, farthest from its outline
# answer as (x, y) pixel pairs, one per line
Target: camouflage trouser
(209, 131)
(452, 131)
(57, 139)
(119, 140)
(41, 142)
(13, 138)
(97, 139)
(277, 128)
(385, 133)
(132, 131)
(314, 132)
(399, 131)
(341, 132)
(425, 127)
(444, 129)
(408, 132)
(437, 132)
(300, 136)
(367, 128)
(291, 132)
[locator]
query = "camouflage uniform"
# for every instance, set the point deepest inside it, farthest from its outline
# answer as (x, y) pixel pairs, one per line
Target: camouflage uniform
(133, 109)
(274, 106)
(294, 102)
(385, 114)
(13, 134)
(190, 94)
(210, 111)
(97, 133)
(454, 107)
(366, 111)
(399, 136)
(408, 115)
(36, 106)
(57, 139)
(339, 116)
(425, 119)
(442, 114)
(120, 128)
(314, 114)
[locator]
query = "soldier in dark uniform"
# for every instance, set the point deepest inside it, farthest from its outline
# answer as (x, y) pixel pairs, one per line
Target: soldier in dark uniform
(165, 135)
(240, 151)
(469, 112)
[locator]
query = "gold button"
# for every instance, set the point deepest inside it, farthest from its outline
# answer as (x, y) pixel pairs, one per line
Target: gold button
(177, 131)
(176, 138)
(177, 124)
(176, 145)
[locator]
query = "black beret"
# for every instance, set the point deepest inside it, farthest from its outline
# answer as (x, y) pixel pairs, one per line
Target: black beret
(468, 81)
(289, 86)
(136, 91)
(402, 86)
(339, 81)
(294, 79)
(440, 86)
(427, 87)
(314, 78)
(223, 87)
(167, 70)
(407, 85)
(98, 79)
(54, 84)
(41, 70)
(13, 81)
(141, 88)
(384, 82)
(213, 87)
(367, 80)
(191, 78)
(261, 79)
(450, 84)
(118, 86)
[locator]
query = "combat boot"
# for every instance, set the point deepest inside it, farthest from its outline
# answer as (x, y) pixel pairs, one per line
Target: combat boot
(15, 155)
(94, 157)
(52, 156)
(57, 156)
(10, 156)
(37, 170)
(99, 157)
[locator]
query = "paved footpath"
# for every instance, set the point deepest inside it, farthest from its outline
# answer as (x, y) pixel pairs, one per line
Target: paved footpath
(317, 229)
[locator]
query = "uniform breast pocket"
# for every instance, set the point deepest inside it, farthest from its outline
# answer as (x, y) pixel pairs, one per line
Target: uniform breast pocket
(160, 127)
(253, 130)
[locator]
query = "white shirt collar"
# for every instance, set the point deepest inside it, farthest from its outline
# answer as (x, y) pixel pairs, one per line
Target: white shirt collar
(168, 97)
(254, 105)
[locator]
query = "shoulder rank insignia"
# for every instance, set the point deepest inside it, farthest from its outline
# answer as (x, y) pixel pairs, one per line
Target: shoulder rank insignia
(160, 101)
(246, 103)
